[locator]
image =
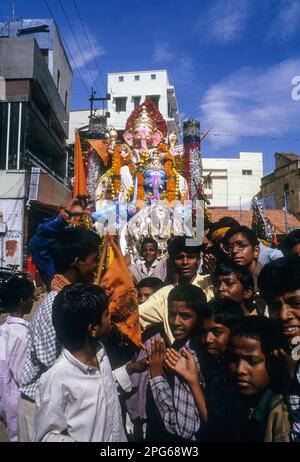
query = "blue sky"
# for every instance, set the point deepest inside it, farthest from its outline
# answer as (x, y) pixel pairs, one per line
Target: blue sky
(231, 61)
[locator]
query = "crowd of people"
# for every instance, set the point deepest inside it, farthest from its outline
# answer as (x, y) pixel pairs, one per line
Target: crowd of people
(220, 327)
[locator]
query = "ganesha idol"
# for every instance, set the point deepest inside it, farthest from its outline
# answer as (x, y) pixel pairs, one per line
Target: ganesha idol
(143, 169)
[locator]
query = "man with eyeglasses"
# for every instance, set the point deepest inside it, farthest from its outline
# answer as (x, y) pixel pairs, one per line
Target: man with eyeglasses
(242, 247)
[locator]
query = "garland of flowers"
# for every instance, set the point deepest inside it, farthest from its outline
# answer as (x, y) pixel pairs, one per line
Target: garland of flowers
(115, 171)
(140, 184)
(172, 188)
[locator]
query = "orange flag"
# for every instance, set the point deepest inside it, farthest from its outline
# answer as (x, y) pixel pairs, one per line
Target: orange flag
(80, 189)
(123, 296)
(100, 146)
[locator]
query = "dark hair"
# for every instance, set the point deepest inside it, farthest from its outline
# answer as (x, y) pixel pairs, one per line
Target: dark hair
(149, 240)
(242, 274)
(247, 232)
(74, 309)
(224, 311)
(279, 276)
(177, 244)
(73, 243)
(292, 239)
(152, 282)
(193, 296)
(14, 291)
(207, 223)
(258, 328)
(224, 222)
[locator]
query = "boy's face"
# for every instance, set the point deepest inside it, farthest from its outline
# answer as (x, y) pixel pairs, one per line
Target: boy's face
(242, 252)
(186, 265)
(248, 365)
(214, 337)
(286, 308)
(103, 329)
(88, 267)
(144, 293)
(149, 252)
(230, 287)
(182, 320)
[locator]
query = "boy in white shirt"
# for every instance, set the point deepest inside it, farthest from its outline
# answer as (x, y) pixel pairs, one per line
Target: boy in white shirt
(77, 398)
(17, 298)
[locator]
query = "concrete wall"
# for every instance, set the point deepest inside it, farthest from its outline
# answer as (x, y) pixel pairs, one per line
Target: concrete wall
(57, 58)
(12, 205)
(61, 63)
(22, 59)
(143, 87)
(230, 188)
(79, 119)
(273, 186)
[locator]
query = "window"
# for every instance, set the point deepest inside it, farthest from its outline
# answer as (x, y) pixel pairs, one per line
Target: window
(247, 172)
(153, 76)
(66, 99)
(121, 78)
(136, 77)
(136, 101)
(208, 182)
(58, 80)
(155, 99)
(120, 104)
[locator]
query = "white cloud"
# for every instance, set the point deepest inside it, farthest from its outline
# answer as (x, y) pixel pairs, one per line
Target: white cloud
(162, 53)
(181, 66)
(252, 102)
(287, 22)
(87, 56)
(225, 21)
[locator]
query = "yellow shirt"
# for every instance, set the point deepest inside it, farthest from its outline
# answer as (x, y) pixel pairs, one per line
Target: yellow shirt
(155, 309)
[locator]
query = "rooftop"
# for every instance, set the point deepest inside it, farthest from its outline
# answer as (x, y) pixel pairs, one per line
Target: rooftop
(244, 217)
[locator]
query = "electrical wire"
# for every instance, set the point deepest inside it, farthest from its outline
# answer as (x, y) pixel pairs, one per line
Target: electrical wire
(86, 35)
(68, 50)
(79, 48)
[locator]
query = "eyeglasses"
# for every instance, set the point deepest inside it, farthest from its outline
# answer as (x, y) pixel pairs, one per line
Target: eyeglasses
(240, 245)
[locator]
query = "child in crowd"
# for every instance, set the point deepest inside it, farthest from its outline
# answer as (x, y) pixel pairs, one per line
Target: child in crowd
(147, 287)
(174, 416)
(17, 297)
(217, 319)
(136, 403)
(279, 283)
(242, 247)
(149, 266)
(252, 343)
(75, 255)
(236, 282)
(77, 398)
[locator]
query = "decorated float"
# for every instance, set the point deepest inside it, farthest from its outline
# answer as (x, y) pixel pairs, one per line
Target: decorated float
(144, 185)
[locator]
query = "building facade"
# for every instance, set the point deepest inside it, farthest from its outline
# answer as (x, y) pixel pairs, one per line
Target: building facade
(282, 187)
(129, 89)
(231, 183)
(34, 117)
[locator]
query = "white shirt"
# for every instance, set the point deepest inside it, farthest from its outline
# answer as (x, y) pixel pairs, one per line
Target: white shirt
(76, 402)
(13, 345)
(158, 269)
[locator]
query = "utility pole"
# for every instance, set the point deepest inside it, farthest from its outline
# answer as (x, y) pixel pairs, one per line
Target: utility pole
(92, 98)
(13, 10)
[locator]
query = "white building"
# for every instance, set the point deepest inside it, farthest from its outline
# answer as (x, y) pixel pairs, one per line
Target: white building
(129, 89)
(232, 183)
(80, 119)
